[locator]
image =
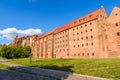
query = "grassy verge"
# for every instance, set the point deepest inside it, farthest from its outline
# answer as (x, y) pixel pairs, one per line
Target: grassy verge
(106, 68)
(2, 66)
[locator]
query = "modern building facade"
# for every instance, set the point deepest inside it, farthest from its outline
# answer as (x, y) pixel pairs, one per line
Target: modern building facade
(95, 35)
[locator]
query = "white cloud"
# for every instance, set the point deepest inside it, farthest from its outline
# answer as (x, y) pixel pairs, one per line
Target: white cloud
(10, 33)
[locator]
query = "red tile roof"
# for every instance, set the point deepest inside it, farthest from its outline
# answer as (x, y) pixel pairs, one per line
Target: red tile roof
(79, 21)
(46, 34)
(65, 27)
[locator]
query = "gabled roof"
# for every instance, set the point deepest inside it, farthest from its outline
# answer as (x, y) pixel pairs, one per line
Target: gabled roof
(79, 21)
(114, 16)
(114, 10)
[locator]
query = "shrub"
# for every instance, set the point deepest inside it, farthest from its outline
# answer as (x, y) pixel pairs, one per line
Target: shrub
(15, 52)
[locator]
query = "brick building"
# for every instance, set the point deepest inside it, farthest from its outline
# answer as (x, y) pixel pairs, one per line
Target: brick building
(95, 35)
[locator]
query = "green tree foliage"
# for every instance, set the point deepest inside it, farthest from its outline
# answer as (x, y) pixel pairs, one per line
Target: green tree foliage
(15, 52)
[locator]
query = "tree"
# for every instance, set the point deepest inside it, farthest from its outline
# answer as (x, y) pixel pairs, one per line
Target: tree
(15, 52)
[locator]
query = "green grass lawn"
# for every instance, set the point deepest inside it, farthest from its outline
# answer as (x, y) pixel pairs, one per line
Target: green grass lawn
(106, 68)
(3, 66)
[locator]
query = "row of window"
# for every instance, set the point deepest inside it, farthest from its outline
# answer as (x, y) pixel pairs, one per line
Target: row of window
(62, 50)
(83, 19)
(83, 54)
(74, 46)
(61, 32)
(61, 37)
(83, 38)
(62, 41)
(81, 26)
(82, 32)
(59, 46)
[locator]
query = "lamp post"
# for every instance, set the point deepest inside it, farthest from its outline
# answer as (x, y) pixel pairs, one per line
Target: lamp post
(30, 56)
(30, 59)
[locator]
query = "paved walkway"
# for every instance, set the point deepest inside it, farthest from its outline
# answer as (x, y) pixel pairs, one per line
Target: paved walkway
(49, 74)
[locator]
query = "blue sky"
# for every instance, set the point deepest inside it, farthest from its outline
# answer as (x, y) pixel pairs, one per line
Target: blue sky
(25, 17)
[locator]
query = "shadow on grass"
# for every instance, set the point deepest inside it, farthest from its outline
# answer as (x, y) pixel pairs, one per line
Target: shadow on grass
(55, 67)
(57, 72)
(11, 68)
(46, 72)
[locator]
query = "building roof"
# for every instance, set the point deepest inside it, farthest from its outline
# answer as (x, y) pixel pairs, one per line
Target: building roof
(62, 28)
(48, 33)
(79, 21)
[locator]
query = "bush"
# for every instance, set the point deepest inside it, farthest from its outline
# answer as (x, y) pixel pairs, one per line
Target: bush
(15, 52)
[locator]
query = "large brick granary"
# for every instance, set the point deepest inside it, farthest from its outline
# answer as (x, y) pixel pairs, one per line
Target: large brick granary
(95, 35)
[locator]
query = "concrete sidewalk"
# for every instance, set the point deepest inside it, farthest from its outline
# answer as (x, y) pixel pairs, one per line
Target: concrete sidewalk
(53, 74)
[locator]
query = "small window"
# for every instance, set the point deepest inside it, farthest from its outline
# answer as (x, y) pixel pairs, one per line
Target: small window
(87, 54)
(77, 33)
(74, 46)
(81, 32)
(90, 16)
(78, 54)
(81, 26)
(86, 44)
(84, 18)
(86, 31)
(90, 23)
(74, 54)
(118, 34)
(67, 54)
(73, 34)
(116, 24)
(93, 54)
(90, 29)
(82, 45)
(82, 54)
(91, 36)
(78, 45)
(82, 38)
(92, 43)
(116, 14)
(86, 37)
(73, 29)
(77, 27)
(74, 22)
(78, 39)
(85, 24)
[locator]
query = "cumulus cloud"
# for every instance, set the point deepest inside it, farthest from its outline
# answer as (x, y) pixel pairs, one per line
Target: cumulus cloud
(10, 33)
